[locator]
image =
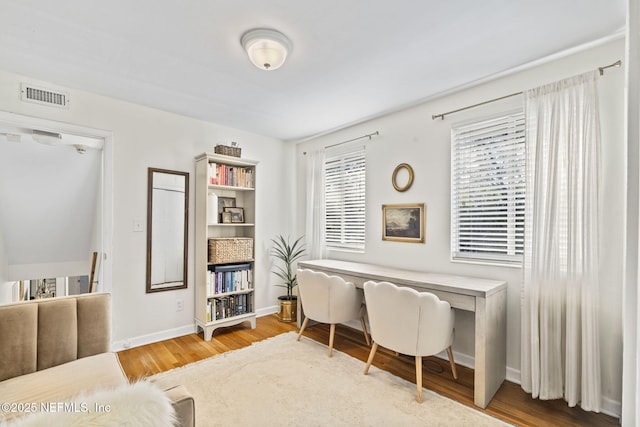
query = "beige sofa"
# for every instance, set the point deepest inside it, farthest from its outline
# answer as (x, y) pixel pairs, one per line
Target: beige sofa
(54, 349)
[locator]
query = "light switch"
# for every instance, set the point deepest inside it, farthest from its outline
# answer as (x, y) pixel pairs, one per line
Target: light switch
(138, 226)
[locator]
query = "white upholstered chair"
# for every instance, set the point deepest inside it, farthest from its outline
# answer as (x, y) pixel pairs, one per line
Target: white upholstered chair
(409, 322)
(329, 299)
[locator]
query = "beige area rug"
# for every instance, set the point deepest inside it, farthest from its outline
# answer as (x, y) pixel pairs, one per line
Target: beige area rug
(282, 382)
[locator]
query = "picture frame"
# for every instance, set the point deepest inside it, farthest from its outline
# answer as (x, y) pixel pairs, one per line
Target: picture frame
(404, 222)
(237, 214)
(402, 177)
(226, 217)
(226, 202)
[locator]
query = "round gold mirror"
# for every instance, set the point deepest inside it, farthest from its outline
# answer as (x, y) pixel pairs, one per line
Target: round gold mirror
(402, 177)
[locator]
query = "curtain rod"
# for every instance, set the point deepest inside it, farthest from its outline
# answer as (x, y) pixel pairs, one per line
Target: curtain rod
(618, 63)
(369, 135)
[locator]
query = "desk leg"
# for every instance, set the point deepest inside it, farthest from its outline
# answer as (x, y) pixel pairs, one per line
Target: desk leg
(491, 347)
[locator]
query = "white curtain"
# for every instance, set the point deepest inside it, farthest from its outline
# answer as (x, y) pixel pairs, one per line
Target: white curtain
(315, 221)
(560, 349)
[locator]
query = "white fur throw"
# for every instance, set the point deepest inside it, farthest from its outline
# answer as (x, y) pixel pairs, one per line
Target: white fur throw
(139, 404)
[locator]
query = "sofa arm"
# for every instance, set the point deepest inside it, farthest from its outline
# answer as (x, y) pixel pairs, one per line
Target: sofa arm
(183, 404)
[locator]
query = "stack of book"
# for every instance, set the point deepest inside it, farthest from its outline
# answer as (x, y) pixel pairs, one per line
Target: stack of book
(229, 278)
(233, 176)
(229, 306)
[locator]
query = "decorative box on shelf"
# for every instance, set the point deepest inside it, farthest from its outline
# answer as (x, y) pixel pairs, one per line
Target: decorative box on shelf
(230, 249)
(227, 150)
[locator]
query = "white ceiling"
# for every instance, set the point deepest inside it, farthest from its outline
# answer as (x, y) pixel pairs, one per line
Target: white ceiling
(351, 60)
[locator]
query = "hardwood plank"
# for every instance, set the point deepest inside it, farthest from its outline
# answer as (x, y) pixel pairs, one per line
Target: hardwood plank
(510, 403)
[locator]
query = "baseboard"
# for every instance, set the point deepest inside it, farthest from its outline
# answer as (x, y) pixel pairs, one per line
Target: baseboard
(460, 358)
(266, 311)
(513, 375)
(154, 337)
(611, 407)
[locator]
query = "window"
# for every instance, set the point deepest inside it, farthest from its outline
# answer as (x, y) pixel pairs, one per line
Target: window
(345, 199)
(488, 190)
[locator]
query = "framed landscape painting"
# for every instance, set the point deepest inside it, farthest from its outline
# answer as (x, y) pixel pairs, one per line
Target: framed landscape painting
(404, 222)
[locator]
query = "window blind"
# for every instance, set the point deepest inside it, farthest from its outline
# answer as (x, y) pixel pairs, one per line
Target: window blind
(488, 189)
(345, 199)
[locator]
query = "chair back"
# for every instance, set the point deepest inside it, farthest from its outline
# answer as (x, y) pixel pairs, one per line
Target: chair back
(407, 321)
(328, 299)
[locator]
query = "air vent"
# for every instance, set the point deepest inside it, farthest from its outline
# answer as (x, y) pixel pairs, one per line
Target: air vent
(43, 96)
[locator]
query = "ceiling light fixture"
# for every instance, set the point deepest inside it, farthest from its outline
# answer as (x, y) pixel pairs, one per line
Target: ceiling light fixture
(12, 137)
(267, 49)
(47, 138)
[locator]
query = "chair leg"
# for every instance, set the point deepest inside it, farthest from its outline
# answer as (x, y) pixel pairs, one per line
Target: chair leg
(304, 325)
(419, 378)
(372, 353)
(452, 363)
(364, 330)
(332, 332)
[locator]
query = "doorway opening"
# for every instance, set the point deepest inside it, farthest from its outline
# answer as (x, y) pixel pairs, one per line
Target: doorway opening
(55, 187)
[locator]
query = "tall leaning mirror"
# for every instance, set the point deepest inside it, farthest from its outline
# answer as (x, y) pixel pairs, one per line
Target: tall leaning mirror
(167, 226)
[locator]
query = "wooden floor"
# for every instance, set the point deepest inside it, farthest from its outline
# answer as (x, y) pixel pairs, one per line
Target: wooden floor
(510, 402)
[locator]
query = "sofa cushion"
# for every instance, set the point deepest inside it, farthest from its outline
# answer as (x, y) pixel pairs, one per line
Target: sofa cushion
(94, 324)
(57, 332)
(59, 383)
(18, 335)
(42, 333)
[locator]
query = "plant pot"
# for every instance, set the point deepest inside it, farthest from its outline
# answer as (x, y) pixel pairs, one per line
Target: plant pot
(288, 308)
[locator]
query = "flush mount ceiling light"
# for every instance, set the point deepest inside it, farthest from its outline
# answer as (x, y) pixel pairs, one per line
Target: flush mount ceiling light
(267, 49)
(79, 143)
(47, 138)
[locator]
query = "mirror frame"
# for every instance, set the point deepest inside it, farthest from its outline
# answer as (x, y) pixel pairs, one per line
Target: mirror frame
(394, 177)
(150, 288)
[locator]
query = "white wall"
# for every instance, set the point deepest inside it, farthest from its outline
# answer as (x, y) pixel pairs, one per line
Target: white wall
(3, 261)
(631, 305)
(142, 138)
(5, 285)
(411, 136)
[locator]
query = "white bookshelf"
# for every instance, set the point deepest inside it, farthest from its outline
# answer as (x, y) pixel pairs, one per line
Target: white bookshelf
(220, 307)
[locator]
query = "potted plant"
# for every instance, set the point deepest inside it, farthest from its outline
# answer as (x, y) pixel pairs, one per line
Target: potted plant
(287, 253)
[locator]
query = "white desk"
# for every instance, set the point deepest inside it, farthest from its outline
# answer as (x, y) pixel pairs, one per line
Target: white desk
(486, 298)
